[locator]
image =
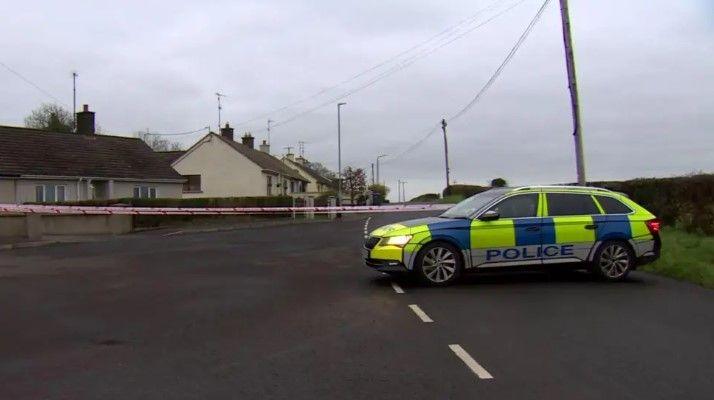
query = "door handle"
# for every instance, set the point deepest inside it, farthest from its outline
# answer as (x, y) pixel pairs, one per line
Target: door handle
(591, 226)
(533, 228)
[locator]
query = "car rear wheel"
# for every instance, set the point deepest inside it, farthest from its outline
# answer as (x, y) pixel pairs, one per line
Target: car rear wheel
(613, 261)
(438, 264)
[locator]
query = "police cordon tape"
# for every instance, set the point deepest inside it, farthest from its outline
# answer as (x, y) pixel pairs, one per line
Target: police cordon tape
(122, 210)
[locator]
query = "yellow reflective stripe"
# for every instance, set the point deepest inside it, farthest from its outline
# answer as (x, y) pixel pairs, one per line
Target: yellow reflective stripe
(542, 212)
(386, 253)
(639, 228)
(491, 234)
(572, 229)
(597, 203)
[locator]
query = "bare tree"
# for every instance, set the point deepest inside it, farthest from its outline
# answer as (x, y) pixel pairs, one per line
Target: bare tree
(322, 170)
(354, 182)
(51, 117)
(157, 143)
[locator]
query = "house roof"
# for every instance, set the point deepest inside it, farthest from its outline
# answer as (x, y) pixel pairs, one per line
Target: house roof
(26, 151)
(314, 174)
(262, 159)
(171, 156)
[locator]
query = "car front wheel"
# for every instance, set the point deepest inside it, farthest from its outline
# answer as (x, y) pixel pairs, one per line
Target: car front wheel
(438, 264)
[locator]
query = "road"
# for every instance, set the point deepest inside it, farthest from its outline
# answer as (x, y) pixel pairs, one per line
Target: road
(290, 313)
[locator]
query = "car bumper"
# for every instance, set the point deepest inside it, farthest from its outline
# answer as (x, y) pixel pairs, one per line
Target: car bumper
(385, 265)
(651, 256)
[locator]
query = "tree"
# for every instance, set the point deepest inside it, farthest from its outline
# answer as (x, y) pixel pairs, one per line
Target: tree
(51, 117)
(322, 170)
(354, 182)
(378, 188)
(157, 143)
(498, 182)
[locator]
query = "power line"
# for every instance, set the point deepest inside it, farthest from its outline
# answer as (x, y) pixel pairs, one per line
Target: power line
(488, 83)
(453, 36)
(178, 133)
(404, 64)
(33, 84)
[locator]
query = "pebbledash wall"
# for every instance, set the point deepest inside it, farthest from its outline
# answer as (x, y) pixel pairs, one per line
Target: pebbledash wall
(18, 191)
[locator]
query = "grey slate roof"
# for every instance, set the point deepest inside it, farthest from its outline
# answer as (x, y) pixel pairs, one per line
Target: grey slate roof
(25, 151)
(171, 156)
(262, 159)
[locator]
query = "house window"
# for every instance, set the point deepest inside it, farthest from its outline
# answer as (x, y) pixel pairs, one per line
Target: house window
(192, 184)
(50, 193)
(144, 192)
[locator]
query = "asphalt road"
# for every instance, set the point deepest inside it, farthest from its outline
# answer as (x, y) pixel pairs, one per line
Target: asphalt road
(290, 313)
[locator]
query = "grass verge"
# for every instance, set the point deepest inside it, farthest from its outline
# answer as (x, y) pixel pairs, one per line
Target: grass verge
(685, 256)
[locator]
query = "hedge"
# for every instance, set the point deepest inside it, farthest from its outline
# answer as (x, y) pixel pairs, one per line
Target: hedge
(426, 197)
(464, 190)
(686, 202)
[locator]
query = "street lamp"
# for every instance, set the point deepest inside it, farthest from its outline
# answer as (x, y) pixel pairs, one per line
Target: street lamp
(339, 155)
(378, 157)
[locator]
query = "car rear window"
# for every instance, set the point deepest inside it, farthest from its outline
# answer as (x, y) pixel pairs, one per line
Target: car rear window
(571, 204)
(612, 206)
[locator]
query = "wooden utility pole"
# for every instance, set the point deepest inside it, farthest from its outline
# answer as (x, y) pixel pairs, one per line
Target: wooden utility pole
(573, 85)
(446, 150)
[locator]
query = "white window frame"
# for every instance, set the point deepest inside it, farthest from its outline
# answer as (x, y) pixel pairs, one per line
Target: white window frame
(44, 187)
(149, 189)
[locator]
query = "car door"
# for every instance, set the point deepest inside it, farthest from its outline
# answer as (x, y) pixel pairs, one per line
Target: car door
(569, 232)
(511, 239)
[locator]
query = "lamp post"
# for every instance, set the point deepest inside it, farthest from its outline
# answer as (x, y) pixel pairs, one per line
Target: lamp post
(378, 157)
(339, 154)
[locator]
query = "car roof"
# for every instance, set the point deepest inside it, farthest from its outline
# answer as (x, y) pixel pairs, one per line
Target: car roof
(565, 188)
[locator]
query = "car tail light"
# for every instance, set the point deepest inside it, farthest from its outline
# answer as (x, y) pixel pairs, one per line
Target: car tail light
(653, 225)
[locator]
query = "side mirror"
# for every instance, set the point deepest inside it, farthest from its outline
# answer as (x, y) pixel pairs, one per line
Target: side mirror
(489, 215)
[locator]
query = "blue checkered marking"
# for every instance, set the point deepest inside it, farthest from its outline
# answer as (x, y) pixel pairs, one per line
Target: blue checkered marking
(524, 237)
(453, 230)
(615, 226)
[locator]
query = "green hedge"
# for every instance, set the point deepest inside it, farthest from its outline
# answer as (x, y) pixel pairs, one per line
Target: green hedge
(464, 190)
(426, 197)
(205, 202)
(686, 202)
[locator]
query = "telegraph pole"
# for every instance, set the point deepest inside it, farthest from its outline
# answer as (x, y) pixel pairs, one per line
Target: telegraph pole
(289, 149)
(301, 148)
(446, 150)
(270, 121)
(74, 99)
(339, 154)
(373, 173)
(573, 85)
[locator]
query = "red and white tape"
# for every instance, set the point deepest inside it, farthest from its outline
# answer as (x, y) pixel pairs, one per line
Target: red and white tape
(118, 210)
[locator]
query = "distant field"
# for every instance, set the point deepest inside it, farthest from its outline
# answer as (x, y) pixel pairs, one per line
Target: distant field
(685, 256)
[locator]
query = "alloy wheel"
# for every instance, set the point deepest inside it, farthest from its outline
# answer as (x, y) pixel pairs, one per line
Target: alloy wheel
(614, 261)
(439, 264)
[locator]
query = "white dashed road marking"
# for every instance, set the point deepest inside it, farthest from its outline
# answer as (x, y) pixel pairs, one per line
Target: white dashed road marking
(470, 362)
(366, 227)
(172, 233)
(397, 289)
(420, 313)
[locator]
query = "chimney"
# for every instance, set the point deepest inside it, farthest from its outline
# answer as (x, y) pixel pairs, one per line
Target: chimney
(265, 147)
(248, 140)
(290, 156)
(227, 132)
(85, 121)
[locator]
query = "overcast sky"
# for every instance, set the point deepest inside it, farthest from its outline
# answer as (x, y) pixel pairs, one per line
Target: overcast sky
(645, 70)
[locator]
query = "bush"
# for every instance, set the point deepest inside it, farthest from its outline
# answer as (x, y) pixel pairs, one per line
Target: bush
(426, 197)
(686, 201)
(464, 190)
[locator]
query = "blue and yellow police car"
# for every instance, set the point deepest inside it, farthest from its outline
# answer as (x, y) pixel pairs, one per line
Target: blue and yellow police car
(585, 227)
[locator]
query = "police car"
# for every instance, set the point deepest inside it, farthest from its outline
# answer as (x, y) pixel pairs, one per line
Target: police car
(586, 227)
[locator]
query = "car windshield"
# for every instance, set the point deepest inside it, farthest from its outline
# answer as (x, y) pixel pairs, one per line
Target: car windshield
(474, 203)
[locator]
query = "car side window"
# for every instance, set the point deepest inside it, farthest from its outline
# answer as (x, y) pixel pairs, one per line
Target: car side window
(520, 206)
(571, 204)
(612, 206)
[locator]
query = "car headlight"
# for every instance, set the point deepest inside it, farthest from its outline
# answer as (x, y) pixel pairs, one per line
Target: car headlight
(398, 241)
